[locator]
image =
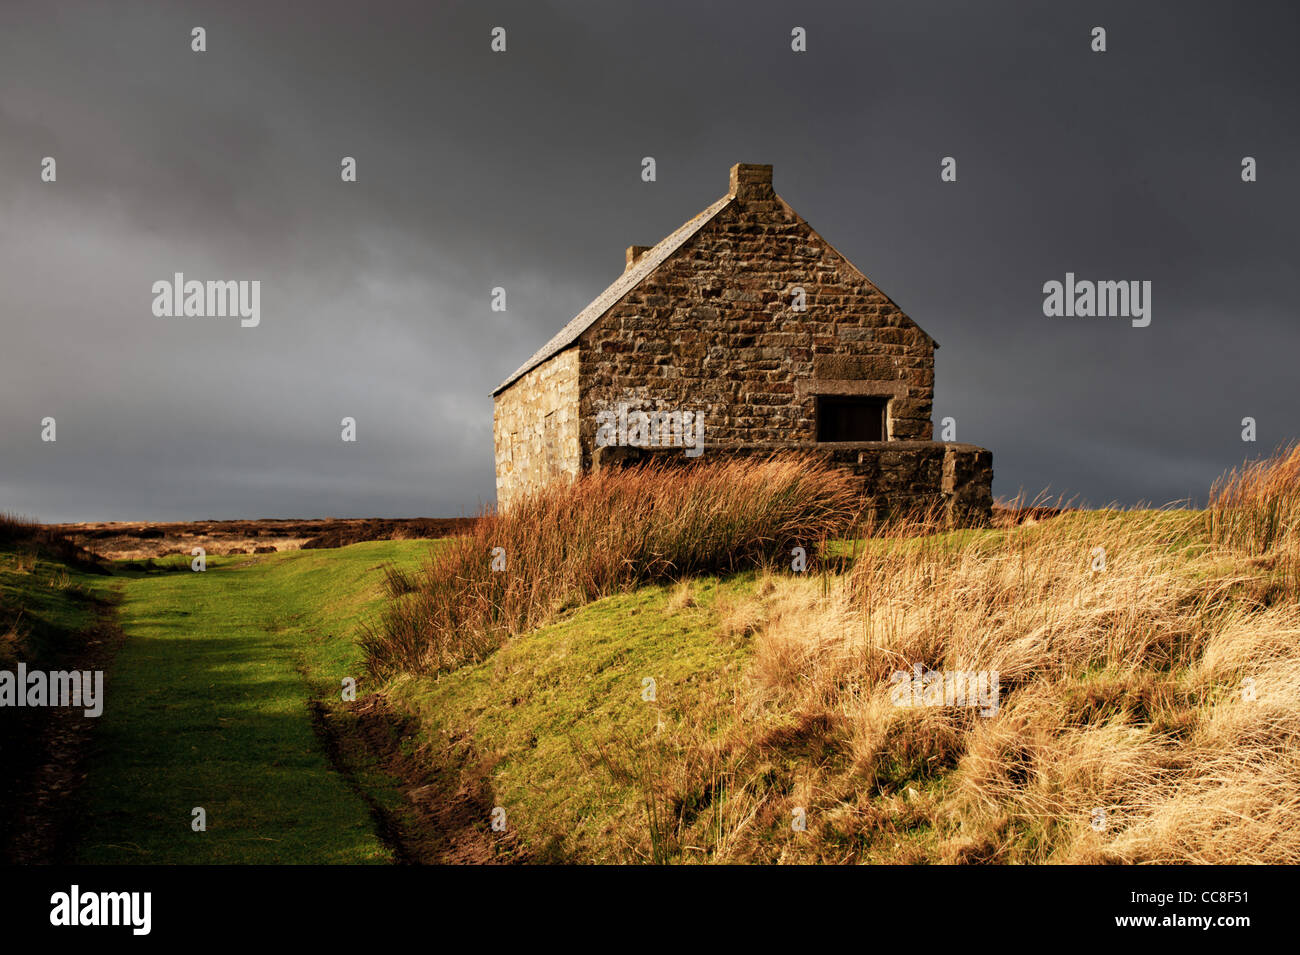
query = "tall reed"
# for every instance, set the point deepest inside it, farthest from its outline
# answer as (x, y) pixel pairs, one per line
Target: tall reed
(1256, 507)
(604, 533)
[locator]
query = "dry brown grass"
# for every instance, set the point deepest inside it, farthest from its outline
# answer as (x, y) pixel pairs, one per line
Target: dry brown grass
(1148, 666)
(1256, 508)
(681, 598)
(27, 540)
(1160, 691)
(146, 540)
(604, 533)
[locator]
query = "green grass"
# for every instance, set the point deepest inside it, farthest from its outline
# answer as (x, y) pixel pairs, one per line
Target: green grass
(46, 602)
(207, 706)
(573, 751)
(48, 608)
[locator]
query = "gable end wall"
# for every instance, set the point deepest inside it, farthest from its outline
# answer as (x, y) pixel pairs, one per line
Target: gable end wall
(712, 331)
(535, 428)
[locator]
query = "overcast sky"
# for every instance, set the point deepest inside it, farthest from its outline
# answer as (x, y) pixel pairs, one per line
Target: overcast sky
(522, 170)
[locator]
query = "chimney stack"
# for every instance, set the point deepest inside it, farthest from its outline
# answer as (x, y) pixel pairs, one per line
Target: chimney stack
(750, 181)
(634, 253)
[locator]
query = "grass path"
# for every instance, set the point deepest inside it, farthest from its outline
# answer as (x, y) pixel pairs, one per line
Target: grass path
(208, 706)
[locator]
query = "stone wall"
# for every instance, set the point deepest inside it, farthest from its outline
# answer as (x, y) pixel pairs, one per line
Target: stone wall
(968, 483)
(712, 330)
(535, 428)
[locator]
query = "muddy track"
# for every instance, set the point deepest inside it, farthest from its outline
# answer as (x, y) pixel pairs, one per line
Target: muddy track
(44, 827)
(386, 826)
(445, 810)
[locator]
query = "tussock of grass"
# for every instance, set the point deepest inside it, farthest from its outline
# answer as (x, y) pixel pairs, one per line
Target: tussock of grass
(604, 534)
(397, 581)
(1256, 508)
(683, 597)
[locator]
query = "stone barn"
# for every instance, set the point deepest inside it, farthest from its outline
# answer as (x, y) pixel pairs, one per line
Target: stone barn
(742, 332)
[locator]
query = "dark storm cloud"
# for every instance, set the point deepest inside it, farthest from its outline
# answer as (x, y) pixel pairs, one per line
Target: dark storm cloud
(522, 170)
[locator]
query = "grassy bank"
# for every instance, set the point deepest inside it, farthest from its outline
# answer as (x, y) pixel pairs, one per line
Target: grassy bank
(48, 595)
(53, 612)
(564, 725)
(1148, 706)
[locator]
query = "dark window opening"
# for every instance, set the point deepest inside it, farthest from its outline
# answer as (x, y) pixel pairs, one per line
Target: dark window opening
(851, 418)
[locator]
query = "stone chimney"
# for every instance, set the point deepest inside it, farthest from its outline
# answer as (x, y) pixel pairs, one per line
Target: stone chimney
(634, 253)
(749, 181)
